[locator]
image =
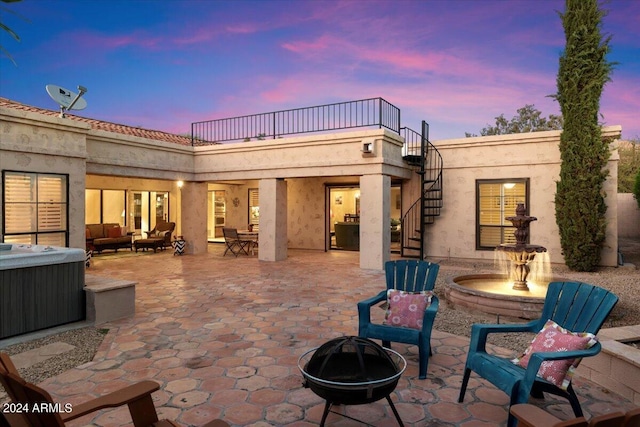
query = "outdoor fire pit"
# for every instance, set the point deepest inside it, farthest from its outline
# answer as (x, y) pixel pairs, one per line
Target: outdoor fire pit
(352, 371)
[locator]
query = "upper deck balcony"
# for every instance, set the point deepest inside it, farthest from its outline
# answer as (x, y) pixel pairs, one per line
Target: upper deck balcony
(364, 113)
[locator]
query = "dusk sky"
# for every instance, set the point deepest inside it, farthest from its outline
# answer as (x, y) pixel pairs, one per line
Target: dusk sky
(163, 64)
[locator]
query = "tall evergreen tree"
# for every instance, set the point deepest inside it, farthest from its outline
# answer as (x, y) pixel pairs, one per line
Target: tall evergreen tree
(583, 72)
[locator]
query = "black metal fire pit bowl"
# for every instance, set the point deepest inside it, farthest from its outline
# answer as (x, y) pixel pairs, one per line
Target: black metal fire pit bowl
(352, 371)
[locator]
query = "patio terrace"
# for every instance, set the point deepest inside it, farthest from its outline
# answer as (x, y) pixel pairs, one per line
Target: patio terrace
(222, 336)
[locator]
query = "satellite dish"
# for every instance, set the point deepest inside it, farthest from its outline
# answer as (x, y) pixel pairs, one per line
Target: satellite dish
(67, 99)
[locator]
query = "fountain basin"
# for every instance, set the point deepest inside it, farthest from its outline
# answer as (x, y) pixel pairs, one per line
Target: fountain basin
(493, 294)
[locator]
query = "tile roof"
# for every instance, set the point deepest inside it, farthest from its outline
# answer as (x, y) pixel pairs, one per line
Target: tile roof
(102, 125)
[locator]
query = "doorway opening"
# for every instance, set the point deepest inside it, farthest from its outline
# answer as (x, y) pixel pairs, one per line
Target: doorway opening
(343, 217)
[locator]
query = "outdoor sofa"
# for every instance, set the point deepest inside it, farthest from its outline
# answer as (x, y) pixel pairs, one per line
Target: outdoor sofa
(107, 236)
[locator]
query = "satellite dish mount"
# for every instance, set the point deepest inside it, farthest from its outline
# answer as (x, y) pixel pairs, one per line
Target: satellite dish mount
(66, 99)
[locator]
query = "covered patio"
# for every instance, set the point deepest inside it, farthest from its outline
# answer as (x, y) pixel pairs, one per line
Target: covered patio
(222, 335)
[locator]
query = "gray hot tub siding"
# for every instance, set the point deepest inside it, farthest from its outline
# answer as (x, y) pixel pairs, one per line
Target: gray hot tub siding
(40, 297)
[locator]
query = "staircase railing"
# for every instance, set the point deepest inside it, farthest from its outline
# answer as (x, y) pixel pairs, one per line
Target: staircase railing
(343, 115)
(420, 152)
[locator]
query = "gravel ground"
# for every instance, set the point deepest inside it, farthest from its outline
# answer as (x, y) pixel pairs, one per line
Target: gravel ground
(85, 340)
(624, 282)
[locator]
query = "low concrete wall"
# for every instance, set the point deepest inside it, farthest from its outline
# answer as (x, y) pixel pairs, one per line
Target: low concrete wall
(628, 216)
(617, 366)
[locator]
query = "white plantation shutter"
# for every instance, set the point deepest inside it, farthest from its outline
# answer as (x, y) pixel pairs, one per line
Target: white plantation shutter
(34, 204)
(490, 204)
(51, 207)
(20, 195)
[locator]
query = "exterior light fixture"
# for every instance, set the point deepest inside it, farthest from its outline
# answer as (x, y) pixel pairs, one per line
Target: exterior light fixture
(180, 184)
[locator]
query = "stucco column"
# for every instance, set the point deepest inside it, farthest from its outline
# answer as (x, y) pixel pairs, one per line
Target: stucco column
(273, 220)
(193, 216)
(375, 223)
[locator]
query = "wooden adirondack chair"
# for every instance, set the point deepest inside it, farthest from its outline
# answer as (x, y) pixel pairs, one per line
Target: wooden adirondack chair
(531, 416)
(577, 307)
(408, 276)
(632, 418)
(137, 397)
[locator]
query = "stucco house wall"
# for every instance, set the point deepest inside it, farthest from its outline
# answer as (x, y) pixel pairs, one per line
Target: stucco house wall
(306, 219)
(31, 142)
(535, 156)
(628, 216)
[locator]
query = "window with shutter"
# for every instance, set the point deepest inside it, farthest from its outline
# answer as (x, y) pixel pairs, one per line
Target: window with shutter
(35, 208)
(495, 200)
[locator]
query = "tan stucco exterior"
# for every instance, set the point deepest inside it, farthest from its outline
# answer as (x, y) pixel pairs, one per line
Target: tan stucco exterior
(533, 155)
(292, 174)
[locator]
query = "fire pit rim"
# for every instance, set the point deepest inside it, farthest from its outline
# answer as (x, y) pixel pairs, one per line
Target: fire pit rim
(352, 384)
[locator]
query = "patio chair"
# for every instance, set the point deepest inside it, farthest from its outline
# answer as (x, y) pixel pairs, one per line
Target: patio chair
(162, 230)
(577, 307)
(532, 416)
(136, 396)
(234, 243)
(415, 279)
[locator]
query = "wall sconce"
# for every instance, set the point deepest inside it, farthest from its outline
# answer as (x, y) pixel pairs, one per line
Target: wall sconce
(180, 184)
(368, 147)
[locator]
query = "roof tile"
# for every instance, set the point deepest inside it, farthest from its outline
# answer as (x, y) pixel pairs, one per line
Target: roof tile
(102, 125)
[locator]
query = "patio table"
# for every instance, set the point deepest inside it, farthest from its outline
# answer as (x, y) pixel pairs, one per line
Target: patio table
(249, 235)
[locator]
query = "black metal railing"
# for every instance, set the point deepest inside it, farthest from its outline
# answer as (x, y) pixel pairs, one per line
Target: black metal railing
(343, 115)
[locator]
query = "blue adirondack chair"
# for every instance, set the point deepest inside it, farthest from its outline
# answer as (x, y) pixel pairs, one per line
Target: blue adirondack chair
(578, 307)
(409, 276)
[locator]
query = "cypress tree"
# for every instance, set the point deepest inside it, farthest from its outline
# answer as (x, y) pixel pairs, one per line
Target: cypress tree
(582, 74)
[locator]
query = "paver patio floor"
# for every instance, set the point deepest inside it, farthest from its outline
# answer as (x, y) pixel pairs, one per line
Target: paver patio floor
(222, 335)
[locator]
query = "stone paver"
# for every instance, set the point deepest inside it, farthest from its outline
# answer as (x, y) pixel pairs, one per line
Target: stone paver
(222, 337)
(35, 356)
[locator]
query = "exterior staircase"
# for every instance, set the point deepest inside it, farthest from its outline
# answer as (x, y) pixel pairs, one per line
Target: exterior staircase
(427, 161)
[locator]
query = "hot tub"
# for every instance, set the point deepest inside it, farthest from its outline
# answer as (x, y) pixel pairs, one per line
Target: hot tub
(40, 287)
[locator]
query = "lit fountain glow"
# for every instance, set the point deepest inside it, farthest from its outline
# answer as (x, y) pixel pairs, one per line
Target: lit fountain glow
(519, 292)
(521, 254)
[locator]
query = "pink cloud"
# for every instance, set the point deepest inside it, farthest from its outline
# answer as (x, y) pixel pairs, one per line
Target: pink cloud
(244, 28)
(102, 41)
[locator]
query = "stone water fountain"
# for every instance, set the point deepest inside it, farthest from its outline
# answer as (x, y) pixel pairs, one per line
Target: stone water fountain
(521, 254)
(513, 293)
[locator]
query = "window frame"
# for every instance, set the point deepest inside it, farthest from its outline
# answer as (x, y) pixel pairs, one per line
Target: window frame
(502, 181)
(36, 203)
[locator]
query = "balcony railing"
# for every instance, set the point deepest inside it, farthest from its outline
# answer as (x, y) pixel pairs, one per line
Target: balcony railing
(372, 112)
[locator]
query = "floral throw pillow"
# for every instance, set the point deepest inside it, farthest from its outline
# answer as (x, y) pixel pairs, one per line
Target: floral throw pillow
(553, 337)
(406, 309)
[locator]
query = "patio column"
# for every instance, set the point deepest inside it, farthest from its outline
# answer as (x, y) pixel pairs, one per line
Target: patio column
(273, 220)
(375, 223)
(193, 216)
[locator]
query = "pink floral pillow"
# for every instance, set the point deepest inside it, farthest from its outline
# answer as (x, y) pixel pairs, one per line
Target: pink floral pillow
(553, 337)
(406, 309)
